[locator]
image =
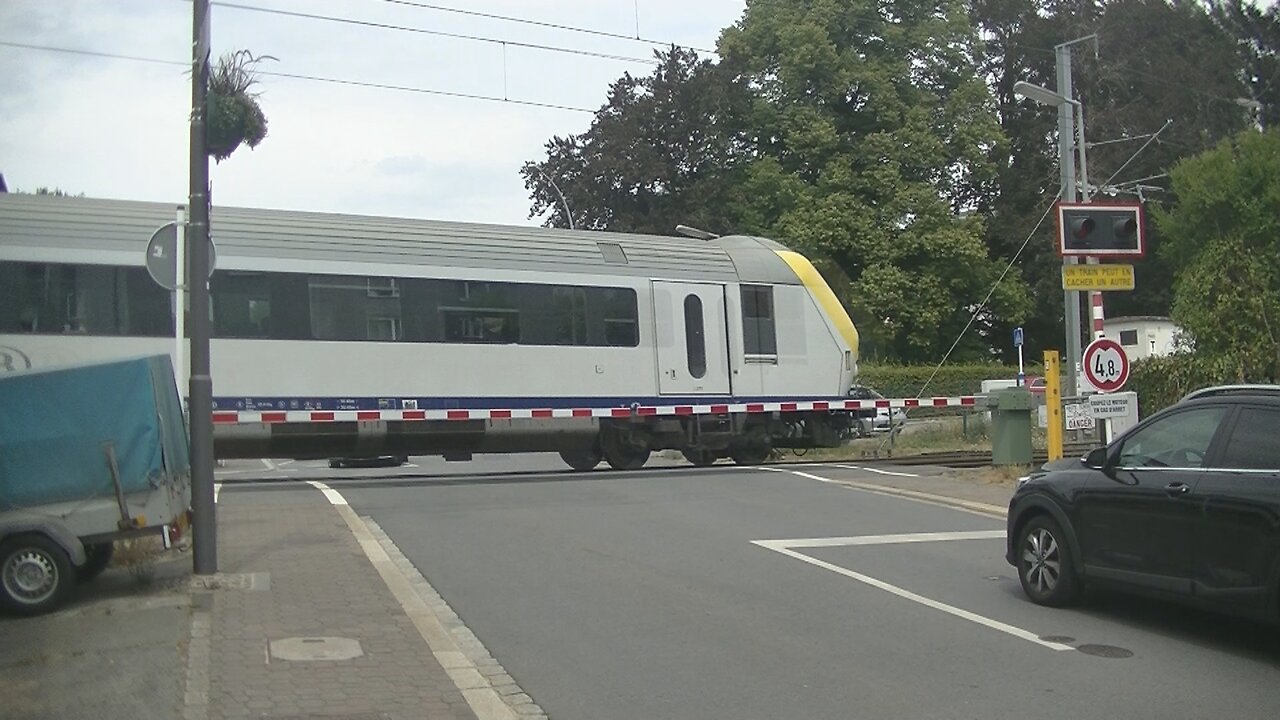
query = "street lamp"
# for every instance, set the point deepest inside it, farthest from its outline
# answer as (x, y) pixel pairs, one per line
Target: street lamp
(1045, 96)
(567, 215)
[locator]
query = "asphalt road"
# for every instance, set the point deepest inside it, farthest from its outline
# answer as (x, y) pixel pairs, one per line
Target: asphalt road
(729, 592)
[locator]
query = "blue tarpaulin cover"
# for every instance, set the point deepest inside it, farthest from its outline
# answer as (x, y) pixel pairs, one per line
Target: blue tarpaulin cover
(55, 423)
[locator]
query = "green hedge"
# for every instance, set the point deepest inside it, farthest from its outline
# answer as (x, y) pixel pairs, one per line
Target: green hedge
(905, 381)
(1162, 381)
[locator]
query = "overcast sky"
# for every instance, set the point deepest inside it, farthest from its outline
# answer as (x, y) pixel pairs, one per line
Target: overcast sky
(118, 128)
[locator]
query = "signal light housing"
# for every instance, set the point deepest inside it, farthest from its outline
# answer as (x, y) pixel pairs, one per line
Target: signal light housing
(1108, 229)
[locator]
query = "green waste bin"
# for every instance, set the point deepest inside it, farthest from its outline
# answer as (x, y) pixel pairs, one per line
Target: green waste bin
(1011, 426)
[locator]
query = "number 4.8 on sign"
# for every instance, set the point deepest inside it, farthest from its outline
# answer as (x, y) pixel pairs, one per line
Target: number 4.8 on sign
(1106, 367)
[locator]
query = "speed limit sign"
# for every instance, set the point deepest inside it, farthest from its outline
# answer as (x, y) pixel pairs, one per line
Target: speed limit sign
(1106, 367)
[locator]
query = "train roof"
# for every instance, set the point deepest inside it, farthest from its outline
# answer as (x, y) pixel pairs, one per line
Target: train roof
(120, 227)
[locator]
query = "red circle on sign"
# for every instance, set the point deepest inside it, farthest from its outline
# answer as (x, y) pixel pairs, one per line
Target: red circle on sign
(1106, 366)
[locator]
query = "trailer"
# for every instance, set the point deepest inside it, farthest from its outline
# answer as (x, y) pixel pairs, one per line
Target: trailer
(89, 454)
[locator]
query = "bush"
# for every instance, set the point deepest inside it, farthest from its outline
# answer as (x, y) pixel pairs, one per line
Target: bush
(1162, 381)
(906, 381)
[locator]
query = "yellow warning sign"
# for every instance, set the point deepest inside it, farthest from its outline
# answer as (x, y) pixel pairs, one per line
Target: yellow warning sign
(1097, 277)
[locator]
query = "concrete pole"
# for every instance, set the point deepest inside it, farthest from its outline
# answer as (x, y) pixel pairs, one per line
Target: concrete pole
(205, 537)
(1067, 177)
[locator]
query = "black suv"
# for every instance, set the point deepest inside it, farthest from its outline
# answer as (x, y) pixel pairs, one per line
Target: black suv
(1185, 505)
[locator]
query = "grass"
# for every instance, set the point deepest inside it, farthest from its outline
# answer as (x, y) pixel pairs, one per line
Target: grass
(139, 556)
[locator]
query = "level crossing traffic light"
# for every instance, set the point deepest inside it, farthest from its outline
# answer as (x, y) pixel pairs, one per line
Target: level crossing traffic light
(1101, 229)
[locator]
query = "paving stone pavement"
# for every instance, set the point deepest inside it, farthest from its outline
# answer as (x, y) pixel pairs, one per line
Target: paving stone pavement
(291, 568)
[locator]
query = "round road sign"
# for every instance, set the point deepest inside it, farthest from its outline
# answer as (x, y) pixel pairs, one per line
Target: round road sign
(1106, 367)
(162, 256)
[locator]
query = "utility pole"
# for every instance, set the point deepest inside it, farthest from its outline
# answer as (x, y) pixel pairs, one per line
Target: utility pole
(1067, 176)
(200, 390)
(1067, 141)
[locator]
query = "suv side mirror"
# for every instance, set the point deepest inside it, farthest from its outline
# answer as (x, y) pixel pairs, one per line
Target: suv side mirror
(1097, 458)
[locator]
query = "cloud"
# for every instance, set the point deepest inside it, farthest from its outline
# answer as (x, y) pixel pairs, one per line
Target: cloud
(113, 128)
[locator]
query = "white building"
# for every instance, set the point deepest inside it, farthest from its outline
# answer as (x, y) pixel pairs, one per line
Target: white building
(1143, 336)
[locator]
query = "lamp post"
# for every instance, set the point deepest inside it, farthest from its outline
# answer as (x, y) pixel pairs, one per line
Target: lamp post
(1071, 300)
(567, 215)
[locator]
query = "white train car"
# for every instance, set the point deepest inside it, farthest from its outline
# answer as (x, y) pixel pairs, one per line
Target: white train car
(340, 335)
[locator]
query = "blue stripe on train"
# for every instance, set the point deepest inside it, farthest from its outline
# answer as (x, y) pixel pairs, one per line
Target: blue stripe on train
(478, 403)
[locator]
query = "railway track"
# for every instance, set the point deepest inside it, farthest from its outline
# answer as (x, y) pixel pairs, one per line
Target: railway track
(967, 458)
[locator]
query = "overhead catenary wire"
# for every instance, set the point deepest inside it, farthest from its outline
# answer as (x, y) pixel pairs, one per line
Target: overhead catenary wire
(550, 25)
(437, 33)
(982, 305)
(299, 76)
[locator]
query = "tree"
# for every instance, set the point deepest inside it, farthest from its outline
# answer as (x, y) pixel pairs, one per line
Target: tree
(872, 135)
(1153, 61)
(1257, 35)
(658, 153)
(1223, 231)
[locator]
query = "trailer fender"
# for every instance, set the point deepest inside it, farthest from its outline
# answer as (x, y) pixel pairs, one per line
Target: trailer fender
(20, 523)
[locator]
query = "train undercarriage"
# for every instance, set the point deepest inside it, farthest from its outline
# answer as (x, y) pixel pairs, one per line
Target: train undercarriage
(583, 443)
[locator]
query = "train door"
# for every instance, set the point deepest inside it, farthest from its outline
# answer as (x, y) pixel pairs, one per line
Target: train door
(692, 342)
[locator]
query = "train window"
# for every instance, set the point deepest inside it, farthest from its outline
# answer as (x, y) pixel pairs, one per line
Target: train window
(480, 312)
(695, 340)
(617, 310)
(569, 312)
(345, 307)
(82, 299)
(241, 304)
(759, 336)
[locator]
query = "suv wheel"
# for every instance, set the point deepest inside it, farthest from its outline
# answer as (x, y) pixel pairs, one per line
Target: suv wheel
(1045, 566)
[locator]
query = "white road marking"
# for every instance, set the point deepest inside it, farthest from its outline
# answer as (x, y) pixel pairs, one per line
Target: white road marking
(217, 488)
(785, 547)
(876, 471)
(334, 497)
(411, 465)
(270, 465)
(882, 539)
(970, 506)
(474, 686)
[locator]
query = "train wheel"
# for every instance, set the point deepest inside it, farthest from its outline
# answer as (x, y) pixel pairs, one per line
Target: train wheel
(581, 460)
(700, 456)
(749, 453)
(626, 457)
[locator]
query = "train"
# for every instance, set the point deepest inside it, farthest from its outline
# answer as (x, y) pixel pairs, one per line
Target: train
(338, 335)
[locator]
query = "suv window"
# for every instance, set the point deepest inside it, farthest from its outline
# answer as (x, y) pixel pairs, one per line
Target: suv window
(1253, 443)
(1177, 440)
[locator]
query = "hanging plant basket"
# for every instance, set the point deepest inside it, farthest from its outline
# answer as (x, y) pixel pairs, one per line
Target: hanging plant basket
(233, 116)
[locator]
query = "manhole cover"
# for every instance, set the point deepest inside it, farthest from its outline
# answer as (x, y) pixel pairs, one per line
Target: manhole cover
(1105, 651)
(315, 648)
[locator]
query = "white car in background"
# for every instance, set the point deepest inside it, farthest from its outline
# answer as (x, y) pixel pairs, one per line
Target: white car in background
(883, 419)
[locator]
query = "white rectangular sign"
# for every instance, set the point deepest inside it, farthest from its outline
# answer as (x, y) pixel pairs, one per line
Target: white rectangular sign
(1109, 406)
(1078, 416)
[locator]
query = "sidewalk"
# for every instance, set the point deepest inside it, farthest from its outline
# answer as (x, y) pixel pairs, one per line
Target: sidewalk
(294, 587)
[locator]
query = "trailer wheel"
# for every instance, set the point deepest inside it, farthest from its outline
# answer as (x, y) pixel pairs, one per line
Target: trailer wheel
(35, 574)
(97, 557)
